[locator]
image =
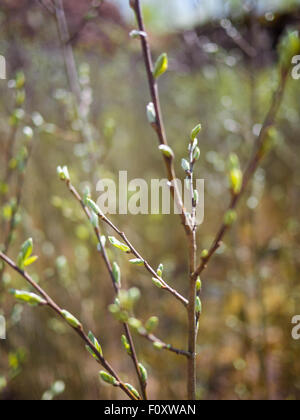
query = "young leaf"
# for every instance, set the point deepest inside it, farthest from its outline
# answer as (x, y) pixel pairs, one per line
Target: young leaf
(158, 345)
(198, 284)
(198, 305)
(166, 151)
(109, 379)
(161, 65)
(230, 217)
(118, 244)
(157, 283)
(151, 114)
(71, 319)
(151, 324)
(95, 343)
(137, 261)
(185, 165)
(133, 390)
(144, 373)
(117, 274)
(93, 206)
(30, 260)
(126, 344)
(160, 270)
(27, 297)
(195, 131)
(63, 173)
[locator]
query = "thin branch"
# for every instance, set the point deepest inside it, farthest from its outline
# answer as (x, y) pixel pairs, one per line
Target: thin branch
(153, 339)
(159, 126)
(250, 169)
(48, 5)
(79, 330)
(104, 255)
(102, 217)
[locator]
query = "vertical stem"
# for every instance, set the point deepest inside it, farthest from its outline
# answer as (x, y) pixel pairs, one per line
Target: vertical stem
(191, 367)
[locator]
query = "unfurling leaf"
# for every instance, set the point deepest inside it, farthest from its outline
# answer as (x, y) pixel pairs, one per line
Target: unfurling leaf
(133, 390)
(93, 206)
(144, 373)
(161, 65)
(96, 345)
(71, 319)
(137, 261)
(25, 254)
(157, 283)
(117, 274)
(160, 270)
(151, 324)
(198, 305)
(166, 151)
(63, 173)
(151, 114)
(27, 297)
(196, 153)
(126, 344)
(118, 244)
(109, 379)
(185, 165)
(158, 345)
(198, 284)
(196, 130)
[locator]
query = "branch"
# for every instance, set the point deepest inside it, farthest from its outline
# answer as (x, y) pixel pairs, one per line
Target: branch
(116, 289)
(102, 217)
(159, 125)
(79, 330)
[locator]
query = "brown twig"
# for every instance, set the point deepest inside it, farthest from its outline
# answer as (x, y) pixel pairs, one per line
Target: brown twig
(159, 126)
(79, 330)
(104, 255)
(153, 339)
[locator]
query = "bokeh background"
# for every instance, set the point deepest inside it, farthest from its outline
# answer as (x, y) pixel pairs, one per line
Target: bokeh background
(223, 61)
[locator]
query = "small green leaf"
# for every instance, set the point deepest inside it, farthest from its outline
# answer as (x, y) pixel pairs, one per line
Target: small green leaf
(94, 219)
(166, 151)
(198, 305)
(93, 206)
(160, 270)
(126, 344)
(204, 253)
(109, 379)
(30, 260)
(144, 373)
(118, 244)
(157, 283)
(96, 344)
(151, 113)
(198, 284)
(196, 130)
(134, 323)
(71, 319)
(185, 165)
(158, 345)
(161, 65)
(117, 274)
(137, 261)
(133, 390)
(63, 173)
(230, 217)
(27, 297)
(196, 153)
(151, 324)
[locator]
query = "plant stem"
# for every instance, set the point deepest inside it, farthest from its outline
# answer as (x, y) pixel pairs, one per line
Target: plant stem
(159, 126)
(78, 330)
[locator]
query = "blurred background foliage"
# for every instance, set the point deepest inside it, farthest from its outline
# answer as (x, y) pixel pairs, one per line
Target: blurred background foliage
(223, 62)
